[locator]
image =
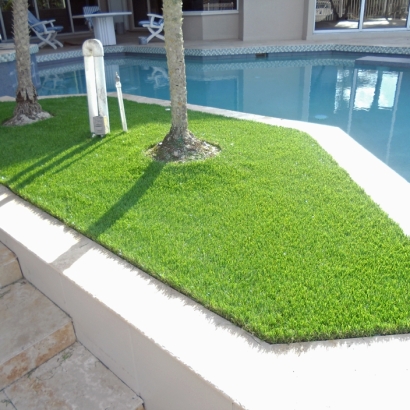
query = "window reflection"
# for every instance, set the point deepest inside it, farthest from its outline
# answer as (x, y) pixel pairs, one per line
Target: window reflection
(372, 86)
(371, 106)
(388, 90)
(343, 89)
(365, 91)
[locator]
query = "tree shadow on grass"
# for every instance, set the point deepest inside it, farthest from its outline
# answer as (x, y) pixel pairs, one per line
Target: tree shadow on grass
(127, 201)
(53, 161)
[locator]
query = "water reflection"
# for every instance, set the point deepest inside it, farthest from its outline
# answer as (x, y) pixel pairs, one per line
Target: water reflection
(158, 77)
(370, 106)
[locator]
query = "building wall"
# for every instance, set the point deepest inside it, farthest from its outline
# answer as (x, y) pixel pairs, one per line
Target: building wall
(265, 20)
(211, 27)
(256, 20)
(270, 20)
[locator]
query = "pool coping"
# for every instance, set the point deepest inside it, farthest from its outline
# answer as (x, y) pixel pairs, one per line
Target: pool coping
(175, 353)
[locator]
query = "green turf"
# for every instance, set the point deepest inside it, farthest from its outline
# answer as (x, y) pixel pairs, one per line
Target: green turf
(270, 234)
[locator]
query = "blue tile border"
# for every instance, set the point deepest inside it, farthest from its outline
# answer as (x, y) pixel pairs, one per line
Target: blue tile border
(202, 67)
(10, 55)
(216, 52)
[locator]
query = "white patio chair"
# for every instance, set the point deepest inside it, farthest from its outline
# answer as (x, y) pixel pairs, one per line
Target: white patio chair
(90, 10)
(155, 25)
(45, 30)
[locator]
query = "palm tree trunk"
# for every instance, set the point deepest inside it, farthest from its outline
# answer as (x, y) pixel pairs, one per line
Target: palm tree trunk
(27, 109)
(174, 46)
(179, 144)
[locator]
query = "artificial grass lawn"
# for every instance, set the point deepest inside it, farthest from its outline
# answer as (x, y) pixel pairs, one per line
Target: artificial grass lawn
(271, 234)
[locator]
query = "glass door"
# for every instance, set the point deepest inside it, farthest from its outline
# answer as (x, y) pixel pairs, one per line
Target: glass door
(54, 10)
(386, 14)
(337, 14)
(7, 20)
(361, 14)
(76, 6)
(140, 10)
(142, 7)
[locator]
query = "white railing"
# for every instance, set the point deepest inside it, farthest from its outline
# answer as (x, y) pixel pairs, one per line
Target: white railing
(350, 9)
(218, 6)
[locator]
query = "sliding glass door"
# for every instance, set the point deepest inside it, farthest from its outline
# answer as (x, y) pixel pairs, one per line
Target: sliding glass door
(6, 20)
(54, 9)
(76, 9)
(59, 10)
(142, 7)
(386, 14)
(361, 14)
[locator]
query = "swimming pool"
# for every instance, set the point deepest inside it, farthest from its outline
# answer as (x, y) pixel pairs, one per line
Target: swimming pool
(370, 103)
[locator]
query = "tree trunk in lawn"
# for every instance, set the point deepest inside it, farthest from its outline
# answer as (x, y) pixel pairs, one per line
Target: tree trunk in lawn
(27, 109)
(174, 45)
(179, 144)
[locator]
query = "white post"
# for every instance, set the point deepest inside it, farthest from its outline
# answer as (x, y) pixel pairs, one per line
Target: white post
(93, 53)
(120, 102)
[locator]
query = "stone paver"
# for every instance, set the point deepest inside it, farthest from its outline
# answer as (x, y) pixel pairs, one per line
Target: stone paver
(5, 402)
(74, 379)
(33, 330)
(9, 267)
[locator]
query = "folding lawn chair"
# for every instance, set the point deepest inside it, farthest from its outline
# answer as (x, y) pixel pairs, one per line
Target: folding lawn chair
(155, 25)
(45, 30)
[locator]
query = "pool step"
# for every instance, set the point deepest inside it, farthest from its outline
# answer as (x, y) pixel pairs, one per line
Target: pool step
(384, 61)
(33, 330)
(9, 267)
(41, 364)
(73, 379)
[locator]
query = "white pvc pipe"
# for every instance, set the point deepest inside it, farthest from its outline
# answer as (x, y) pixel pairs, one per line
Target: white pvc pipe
(101, 88)
(93, 53)
(120, 102)
(91, 90)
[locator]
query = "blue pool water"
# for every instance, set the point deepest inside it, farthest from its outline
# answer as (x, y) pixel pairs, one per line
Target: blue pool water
(370, 103)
